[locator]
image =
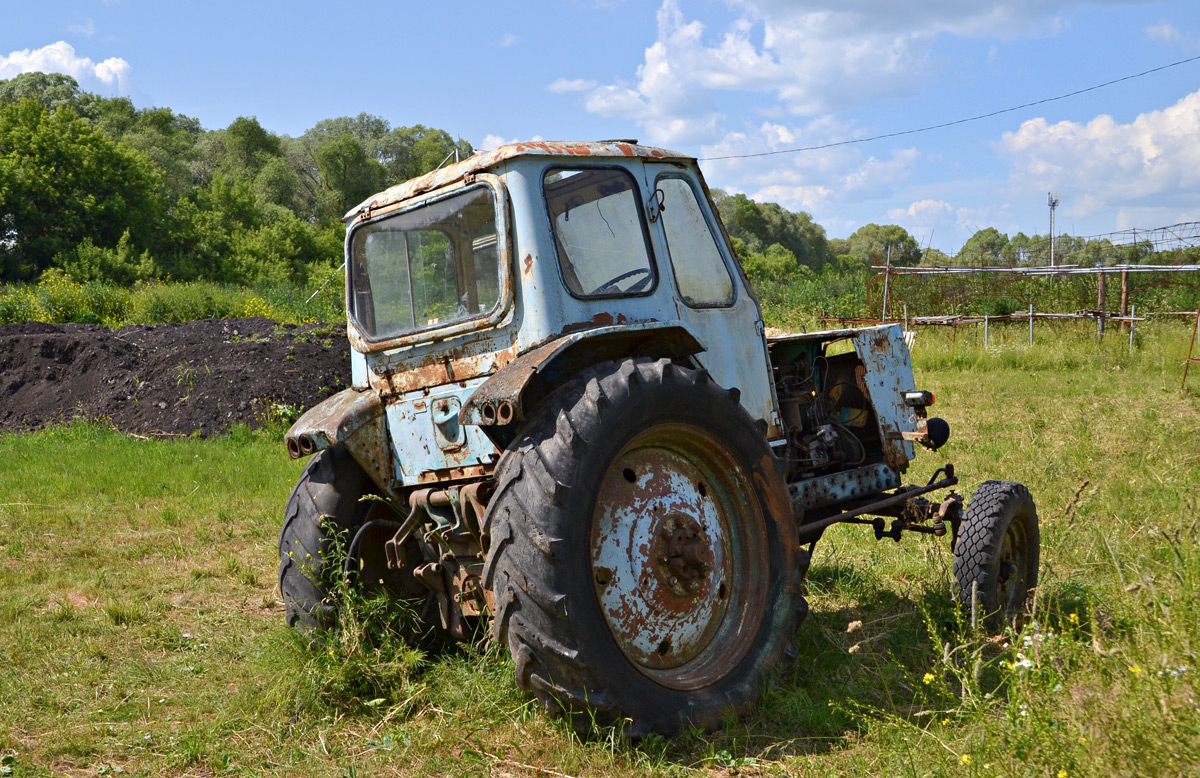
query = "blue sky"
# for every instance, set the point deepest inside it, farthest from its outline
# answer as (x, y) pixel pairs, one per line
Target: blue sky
(709, 78)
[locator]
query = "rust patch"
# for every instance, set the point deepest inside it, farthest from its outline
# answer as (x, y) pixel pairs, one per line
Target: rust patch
(773, 490)
(602, 319)
(528, 264)
(455, 474)
(448, 370)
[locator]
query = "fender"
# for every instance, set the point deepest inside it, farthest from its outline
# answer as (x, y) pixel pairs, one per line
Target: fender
(514, 389)
(353, 418)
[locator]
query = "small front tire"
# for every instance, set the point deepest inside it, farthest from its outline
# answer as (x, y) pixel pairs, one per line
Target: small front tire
(996, 555)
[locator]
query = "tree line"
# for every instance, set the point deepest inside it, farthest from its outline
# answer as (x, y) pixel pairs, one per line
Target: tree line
(98, 189)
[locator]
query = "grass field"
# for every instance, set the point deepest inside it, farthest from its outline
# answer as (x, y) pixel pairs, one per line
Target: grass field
(141, 632)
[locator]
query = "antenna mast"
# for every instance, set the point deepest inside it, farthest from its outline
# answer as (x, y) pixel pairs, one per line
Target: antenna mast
(1052, 201)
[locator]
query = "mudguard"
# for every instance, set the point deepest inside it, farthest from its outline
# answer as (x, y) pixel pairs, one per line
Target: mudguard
(510, 393)
(354, 418)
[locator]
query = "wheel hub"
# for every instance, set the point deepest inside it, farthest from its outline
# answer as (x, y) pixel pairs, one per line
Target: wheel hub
(685, 554)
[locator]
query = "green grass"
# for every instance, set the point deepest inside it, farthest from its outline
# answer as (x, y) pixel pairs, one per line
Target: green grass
(140, 629)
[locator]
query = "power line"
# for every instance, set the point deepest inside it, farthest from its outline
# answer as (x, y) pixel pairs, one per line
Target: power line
(957, 121)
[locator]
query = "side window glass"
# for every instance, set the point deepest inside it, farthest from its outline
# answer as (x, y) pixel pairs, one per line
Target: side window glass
(598, 231)
(700, 272)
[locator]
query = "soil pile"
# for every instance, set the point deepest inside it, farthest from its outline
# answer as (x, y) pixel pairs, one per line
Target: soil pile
(168, 378)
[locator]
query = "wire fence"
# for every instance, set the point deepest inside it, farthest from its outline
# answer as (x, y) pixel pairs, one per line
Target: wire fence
(1157, 270)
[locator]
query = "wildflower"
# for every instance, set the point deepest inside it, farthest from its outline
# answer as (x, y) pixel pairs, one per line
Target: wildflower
(928, 679)
(1061, 774)
(1022, 663)
(1082, 740)
(1135, 669)
(945, 722)
(1022, 710)
(966, 759)
(1073, 618)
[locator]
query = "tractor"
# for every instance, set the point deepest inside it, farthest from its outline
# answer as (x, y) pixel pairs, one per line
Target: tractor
(568, 425)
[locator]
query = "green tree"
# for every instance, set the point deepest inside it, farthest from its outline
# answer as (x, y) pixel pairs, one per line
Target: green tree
(760, 226)
(248, 147)
(52, 90)
(775, 264)
(62, 180)
(403, 153)
(347, 174)
(986, 247)
(870, 243)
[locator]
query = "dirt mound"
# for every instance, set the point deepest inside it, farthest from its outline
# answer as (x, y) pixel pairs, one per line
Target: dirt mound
(167, 378)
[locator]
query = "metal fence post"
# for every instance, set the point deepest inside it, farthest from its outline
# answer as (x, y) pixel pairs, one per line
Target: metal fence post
(1031, 324)
(1132, 316)
(985, 331)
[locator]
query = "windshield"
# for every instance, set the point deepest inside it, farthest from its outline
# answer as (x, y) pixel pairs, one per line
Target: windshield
(427, 267)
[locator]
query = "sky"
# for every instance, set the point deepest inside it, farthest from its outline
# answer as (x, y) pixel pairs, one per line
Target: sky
(710, 78)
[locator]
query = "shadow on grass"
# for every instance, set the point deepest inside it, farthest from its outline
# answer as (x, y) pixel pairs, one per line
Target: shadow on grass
(854, 663)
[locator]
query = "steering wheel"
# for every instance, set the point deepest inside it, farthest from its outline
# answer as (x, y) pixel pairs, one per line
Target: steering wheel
(611, 284)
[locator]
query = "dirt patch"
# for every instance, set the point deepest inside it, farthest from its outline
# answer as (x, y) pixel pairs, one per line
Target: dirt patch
(167, 378)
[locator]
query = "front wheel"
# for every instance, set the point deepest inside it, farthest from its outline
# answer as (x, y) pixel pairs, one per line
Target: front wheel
(642, 551)
(996, 555)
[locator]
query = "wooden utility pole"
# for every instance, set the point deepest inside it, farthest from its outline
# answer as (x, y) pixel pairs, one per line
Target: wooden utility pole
(887, 277)
(1125, 325)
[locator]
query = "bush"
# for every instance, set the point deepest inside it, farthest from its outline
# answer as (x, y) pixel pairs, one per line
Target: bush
(59, 298)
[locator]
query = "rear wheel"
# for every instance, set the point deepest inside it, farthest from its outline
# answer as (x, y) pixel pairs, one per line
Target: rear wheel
(642, 551)
(996, 555)
(325, 503)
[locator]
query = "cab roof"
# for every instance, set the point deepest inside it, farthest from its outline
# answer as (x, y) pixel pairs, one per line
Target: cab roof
(486, 160)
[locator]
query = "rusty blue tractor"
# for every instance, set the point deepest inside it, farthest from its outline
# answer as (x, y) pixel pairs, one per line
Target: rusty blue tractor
(567, 422)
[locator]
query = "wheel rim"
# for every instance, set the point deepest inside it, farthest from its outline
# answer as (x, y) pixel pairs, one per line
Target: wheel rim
(679, 556)
(1011, 579)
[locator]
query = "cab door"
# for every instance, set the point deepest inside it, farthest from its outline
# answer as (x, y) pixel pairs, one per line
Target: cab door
(711, 296)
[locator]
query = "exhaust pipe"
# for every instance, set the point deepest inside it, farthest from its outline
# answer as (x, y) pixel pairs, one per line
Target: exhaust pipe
(293, 448)
(504, 412)
(488, 412)
(306, 445)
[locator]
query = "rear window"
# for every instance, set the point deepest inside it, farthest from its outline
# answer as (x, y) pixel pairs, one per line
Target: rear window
(427, 267)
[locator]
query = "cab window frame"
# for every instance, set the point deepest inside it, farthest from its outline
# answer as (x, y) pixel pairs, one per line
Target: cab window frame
(640, 208)
(478, 321)
(718, 239)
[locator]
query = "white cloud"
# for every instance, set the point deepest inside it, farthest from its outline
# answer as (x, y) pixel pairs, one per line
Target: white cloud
(801, 198)
(825, 183)
(1164, 31)
(875, 178)
(491, 141)
(508, 40)
(1151, 162)
(561, 85)
(927, 211)
(111, 75)
(813, 56)
(87, 29)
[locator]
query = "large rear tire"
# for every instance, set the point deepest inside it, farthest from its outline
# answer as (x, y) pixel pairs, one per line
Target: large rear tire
(996, 555)
(643, 554)
(326, 502)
